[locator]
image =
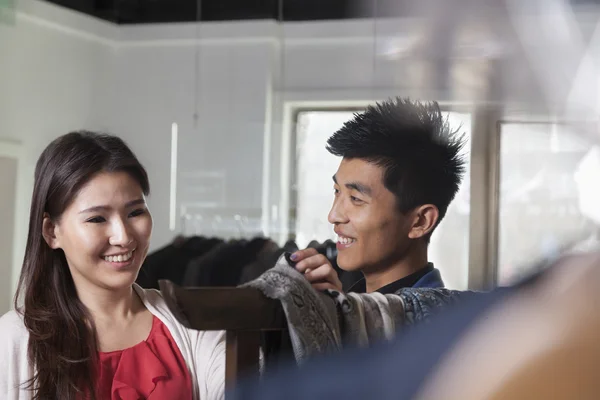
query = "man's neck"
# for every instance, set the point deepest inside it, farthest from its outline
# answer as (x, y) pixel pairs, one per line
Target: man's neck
(375, 280)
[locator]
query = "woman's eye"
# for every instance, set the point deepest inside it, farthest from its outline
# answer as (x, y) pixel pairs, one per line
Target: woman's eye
(96, 220)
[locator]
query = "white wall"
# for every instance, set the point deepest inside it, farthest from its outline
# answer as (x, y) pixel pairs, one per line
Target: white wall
(50, 75)
(8, 183)
(156, 88)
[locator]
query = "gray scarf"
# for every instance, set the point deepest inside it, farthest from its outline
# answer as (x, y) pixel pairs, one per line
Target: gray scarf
(325, 322)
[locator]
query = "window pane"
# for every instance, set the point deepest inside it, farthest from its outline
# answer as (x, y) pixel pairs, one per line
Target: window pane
(449, 247)
(548, 175)
(314, 194)
(315, 167)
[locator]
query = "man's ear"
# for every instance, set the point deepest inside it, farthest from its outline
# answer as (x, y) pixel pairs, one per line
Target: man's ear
(425, 219)
(49, 228)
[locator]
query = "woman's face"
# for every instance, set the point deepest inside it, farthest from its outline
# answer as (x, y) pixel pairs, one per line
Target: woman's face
(105, 232)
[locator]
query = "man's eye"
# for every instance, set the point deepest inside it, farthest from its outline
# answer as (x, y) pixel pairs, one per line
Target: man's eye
(137, 212)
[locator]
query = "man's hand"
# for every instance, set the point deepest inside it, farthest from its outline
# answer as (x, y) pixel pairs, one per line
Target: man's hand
(317, 269)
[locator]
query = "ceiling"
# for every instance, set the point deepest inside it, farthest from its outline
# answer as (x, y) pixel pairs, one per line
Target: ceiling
(157, 11)
(164, 11)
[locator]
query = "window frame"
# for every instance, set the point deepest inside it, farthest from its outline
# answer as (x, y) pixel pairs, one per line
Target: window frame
(484, 183)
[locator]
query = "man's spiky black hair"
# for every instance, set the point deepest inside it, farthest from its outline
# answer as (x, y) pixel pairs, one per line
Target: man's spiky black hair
(414, 144)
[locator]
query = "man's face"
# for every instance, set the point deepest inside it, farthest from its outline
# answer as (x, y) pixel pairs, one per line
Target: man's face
(372, 233)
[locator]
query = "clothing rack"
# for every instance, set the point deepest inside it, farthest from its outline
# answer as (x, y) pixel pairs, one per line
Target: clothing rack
(228, 223)
(235, 226)
(212, 261)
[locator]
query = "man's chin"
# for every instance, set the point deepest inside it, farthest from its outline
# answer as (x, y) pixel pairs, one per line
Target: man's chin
(348, 267)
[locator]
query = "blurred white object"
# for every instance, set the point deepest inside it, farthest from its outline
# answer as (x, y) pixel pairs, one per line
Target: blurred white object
(587, 178)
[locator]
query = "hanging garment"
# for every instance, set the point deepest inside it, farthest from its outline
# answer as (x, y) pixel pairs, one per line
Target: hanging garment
(367, 319)
(170, 262)
(231, 266)
(167, 263)
(199, 271)
(314, 317)
(265, 260)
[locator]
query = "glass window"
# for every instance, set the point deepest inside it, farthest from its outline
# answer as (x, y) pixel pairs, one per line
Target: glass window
(548, 180)
(449, 248)
(315, 167)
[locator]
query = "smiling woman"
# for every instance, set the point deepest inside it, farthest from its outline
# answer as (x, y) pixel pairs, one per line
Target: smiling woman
(104, 232)
(85, 329)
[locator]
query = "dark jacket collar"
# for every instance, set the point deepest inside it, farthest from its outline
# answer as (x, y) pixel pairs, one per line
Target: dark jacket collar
(427, 277)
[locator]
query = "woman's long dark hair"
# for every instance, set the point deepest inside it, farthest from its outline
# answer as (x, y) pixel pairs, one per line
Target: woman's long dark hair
(62, 337)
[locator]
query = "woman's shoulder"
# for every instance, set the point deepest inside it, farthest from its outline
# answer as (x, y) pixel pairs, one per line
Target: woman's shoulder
(155, 302)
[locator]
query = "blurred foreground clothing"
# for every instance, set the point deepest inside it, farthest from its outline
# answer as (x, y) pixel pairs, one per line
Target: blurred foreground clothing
(541, 343)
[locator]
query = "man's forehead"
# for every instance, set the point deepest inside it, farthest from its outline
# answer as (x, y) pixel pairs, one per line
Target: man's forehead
(358, 169)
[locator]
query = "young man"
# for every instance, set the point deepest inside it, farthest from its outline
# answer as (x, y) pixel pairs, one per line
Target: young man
(401, 167)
